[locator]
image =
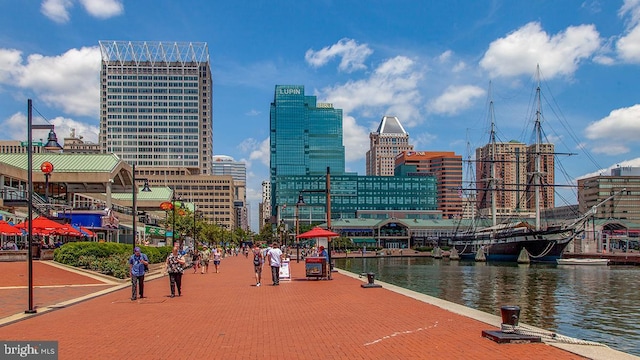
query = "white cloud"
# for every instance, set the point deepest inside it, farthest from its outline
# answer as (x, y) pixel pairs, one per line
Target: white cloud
(607, 171)
(63, 127)
(632, 8)
(261, 151)
(445, 56)
(353, 55)
(103, 9)
(15, 128)
(610, 149)
(620, 127)
(455, 99)
(56, 10)
(355, 139)
(520, 51)
(423, 140)
(391, 89)
(68, 81)
(10, 60)
(628, 46)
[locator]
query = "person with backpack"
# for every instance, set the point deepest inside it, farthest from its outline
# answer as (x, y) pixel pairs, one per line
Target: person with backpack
(258, 260)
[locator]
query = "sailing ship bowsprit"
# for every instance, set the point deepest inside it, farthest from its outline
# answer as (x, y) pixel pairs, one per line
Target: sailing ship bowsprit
(519, 240)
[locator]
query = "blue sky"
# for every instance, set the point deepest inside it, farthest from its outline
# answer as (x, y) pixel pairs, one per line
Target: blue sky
(428, 62)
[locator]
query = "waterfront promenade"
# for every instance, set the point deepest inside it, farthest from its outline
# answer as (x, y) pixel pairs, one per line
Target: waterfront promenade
(226, 316)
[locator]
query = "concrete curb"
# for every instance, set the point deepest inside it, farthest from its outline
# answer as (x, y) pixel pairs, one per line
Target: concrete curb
(589, 351)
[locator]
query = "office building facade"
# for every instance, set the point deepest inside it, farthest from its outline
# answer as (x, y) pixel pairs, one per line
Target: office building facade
(446, 166)
(385, 143)
(305, 138)
(226, 165)
(156, 104)
(625, 206)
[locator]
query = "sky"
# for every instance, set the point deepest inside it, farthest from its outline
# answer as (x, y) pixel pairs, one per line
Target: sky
(436, 65)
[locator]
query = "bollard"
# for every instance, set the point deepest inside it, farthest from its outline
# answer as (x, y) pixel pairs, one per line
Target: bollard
(509, 333)
(510, 314)
(370, 280)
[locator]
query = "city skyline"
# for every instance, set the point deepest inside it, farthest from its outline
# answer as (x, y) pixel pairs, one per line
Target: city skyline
(428, 64)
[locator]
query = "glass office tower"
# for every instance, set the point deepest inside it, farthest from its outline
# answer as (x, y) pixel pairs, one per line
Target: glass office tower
(305, 137)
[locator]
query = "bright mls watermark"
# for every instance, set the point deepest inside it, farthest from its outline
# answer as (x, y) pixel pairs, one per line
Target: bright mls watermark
(29, 350)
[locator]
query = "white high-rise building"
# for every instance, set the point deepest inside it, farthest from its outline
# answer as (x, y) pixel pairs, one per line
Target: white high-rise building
(156, 104)
(265, 205)
(226, 165)
(389, 140)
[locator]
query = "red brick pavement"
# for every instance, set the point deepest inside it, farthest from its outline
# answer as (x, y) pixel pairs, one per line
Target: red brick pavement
(225, 316)
(52, 285)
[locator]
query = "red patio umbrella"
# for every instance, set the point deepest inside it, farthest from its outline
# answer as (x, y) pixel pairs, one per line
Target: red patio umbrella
(317, 232)
(68, 230)
(8, 229)
(41, 223)
(88, 232)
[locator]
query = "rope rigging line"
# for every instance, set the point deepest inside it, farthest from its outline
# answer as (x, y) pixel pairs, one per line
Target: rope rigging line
(546, 335)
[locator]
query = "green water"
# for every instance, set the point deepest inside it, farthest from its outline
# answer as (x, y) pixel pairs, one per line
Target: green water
(595, 303)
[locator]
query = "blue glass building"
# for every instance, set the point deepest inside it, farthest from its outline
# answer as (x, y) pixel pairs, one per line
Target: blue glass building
(306, 144)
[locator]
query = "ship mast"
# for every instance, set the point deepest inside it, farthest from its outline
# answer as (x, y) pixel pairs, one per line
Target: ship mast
(538, 133)
(492, 180)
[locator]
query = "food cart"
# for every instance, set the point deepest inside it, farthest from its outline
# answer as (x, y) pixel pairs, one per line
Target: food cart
(315, 267)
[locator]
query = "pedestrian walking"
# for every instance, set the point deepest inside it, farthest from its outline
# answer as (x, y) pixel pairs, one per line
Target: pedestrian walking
(275, 260)
(205, 256)
(217, 255)
(175, 267)
(137, 264)
(195, 260)
(258, 260)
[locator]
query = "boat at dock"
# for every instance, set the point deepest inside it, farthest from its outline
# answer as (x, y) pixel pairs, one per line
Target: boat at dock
(581, 262)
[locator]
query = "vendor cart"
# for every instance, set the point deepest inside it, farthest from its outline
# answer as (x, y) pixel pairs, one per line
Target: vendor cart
(316, 267)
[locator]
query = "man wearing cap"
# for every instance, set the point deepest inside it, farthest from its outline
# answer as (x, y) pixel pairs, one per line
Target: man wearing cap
(137, 263)
(205, 256)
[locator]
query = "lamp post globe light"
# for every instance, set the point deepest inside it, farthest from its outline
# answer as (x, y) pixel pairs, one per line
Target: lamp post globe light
(52, 144)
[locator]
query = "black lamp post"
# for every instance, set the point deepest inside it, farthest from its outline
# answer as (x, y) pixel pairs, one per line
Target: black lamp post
(300, 202)
(195, 229)
(52, 144)
(134, 190)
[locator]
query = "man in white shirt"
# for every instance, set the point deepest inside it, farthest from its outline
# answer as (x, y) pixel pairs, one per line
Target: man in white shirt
(274, 256)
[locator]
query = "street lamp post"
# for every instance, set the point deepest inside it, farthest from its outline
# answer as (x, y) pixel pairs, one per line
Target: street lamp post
(52, 144)
(300, 202)
(195, 229)
(134, 190)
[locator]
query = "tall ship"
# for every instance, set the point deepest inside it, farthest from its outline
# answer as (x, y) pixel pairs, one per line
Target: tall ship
(519, 240)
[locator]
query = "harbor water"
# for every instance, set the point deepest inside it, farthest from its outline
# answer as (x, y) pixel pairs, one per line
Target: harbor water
(595, 303)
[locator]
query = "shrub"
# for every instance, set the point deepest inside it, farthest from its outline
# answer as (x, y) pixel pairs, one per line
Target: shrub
(106, 258)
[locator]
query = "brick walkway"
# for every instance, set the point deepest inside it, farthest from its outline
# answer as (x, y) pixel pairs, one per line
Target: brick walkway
(225, 316)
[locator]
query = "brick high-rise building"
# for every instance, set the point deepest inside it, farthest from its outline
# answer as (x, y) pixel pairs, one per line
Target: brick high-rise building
(446, 166)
